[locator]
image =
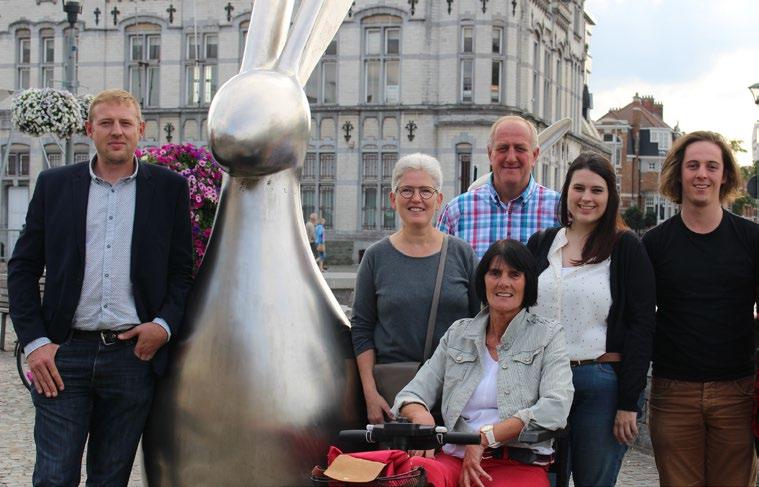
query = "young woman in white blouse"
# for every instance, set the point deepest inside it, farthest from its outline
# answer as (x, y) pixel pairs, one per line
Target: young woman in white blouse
(597, 281)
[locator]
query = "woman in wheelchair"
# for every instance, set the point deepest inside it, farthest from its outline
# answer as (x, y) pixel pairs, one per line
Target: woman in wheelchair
(497, 373)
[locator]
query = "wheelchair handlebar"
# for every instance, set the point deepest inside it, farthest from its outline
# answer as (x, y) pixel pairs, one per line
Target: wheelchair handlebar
(402, 435)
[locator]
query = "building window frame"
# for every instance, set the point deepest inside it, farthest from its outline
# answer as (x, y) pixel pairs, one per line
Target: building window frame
(144, 67)
(381, 62)
(558, 79)
(463, 166)
(318, 179)
(201, 68)
(23, 58)
(18, 164)
(47, 58)
(536, 76)
(321, 87)
(547, 108)
(497, 64)
(376, 179)
(466, 63)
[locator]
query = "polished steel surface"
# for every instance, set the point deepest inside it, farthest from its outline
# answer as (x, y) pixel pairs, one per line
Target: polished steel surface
(262, 375)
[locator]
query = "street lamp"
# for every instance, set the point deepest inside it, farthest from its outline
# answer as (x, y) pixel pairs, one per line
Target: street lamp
(72, 8)
(754, 89)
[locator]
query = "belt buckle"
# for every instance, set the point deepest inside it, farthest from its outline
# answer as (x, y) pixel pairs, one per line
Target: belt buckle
(109, 337)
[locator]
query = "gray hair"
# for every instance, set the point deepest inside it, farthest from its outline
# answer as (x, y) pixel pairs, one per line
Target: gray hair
(515, 118)
(418, 162)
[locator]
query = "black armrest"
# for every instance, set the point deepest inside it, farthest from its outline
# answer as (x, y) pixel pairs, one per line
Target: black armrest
(539, 435)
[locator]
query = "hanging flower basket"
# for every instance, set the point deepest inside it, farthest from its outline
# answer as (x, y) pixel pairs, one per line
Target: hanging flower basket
(203, 175)
(47, 111)
(84, 102)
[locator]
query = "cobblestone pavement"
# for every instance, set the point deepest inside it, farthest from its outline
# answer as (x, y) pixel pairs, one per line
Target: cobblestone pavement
(17, 444)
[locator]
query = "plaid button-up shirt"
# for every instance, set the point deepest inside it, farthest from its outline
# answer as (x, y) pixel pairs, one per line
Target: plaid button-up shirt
(481, 218)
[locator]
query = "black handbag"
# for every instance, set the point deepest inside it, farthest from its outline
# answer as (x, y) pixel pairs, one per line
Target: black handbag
(391, 378)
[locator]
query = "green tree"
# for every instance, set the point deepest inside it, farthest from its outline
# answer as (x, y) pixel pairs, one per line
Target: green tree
(737, 146)
(633, 217)
(650, 219)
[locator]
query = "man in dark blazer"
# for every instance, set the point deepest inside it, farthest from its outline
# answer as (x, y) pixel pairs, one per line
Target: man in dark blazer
(114, 238)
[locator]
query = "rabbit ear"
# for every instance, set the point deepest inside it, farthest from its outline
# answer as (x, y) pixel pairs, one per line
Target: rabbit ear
(267, 32)
(315, 26)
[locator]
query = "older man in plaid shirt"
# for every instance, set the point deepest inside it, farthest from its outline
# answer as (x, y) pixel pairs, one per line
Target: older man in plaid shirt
(512, 204)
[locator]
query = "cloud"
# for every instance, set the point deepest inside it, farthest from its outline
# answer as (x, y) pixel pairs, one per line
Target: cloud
(717, 100)
(666, 41)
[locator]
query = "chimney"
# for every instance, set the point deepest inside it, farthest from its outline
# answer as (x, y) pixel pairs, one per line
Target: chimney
(652, 106)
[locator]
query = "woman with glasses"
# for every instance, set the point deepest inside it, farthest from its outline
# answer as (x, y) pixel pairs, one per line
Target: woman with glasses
(396, 281)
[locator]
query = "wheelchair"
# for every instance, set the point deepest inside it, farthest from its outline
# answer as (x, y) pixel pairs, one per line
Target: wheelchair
(403, 435)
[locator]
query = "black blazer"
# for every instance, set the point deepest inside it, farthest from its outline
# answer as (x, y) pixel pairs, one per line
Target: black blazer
(630, 324)
(54, 239)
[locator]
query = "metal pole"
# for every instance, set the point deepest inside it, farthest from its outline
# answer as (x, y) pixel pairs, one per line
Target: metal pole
(70, 81)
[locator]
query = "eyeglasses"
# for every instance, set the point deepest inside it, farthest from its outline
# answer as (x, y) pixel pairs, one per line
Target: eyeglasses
(408, 192)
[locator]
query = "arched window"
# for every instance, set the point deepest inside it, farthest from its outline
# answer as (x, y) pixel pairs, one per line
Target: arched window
(463, 166)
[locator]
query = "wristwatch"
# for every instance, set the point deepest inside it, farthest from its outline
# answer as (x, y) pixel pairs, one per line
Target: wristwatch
(487, 430)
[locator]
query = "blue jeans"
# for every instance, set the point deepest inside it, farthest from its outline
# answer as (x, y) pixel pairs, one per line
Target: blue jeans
(595, 455)
(107, 394)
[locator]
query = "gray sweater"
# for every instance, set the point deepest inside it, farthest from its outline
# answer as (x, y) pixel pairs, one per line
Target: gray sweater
(394, 294)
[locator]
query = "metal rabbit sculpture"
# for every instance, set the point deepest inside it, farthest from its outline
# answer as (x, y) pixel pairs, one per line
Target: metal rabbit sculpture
(263, 376)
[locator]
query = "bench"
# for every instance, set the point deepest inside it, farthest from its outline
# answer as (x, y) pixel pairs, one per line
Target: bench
(4, 307)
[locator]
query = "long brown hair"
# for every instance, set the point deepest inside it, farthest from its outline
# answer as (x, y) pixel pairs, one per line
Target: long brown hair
(602, 239)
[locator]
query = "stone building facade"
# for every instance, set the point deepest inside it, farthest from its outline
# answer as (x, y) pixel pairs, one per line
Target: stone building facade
(400, 77)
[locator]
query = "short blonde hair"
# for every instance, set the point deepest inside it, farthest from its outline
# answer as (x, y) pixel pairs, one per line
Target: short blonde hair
(418, 162)
(114, 96)
(670, 183)
(514, 118)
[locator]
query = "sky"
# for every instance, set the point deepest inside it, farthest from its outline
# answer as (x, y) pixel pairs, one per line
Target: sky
(697, 57)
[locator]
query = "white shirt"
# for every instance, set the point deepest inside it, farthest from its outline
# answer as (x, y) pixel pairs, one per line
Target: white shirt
(577, 297)
(482, 407)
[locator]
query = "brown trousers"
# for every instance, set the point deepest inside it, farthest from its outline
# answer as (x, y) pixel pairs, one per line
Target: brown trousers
(701, 432)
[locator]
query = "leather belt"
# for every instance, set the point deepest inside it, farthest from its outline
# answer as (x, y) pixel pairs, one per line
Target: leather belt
(608, 357)
(106, 337)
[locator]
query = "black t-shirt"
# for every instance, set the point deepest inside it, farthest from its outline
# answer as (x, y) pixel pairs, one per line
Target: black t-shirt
(706, 286)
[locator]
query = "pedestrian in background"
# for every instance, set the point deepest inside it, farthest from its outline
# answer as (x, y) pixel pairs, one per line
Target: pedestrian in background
(597, 281)
(311, 233)
(321, 244)
(706, 262)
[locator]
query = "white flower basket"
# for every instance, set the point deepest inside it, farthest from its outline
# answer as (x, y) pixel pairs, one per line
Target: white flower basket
(47, 111)
(84, 109)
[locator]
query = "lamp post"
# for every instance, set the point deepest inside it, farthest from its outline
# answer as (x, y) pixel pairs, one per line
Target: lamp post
(72, 8)
(754, 89)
